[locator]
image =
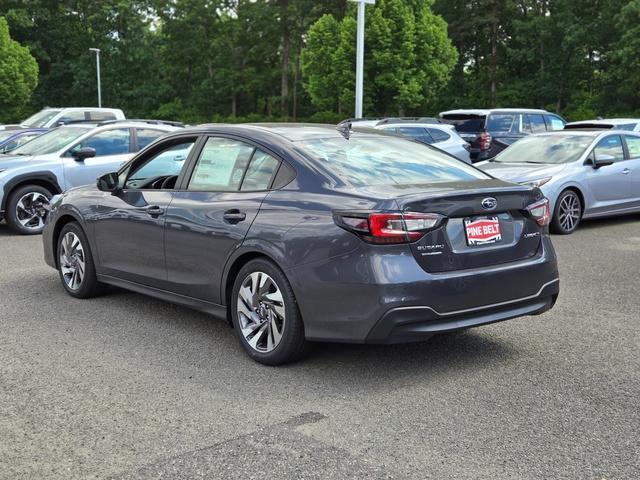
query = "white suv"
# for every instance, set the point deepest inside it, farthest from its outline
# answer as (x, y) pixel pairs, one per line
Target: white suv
(54, 117)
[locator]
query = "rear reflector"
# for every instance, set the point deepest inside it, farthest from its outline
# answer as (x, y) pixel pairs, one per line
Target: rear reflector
(540, 212)
(388, 227)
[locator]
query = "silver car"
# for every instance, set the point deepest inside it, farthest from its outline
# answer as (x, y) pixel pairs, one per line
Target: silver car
(585, 174)
(66, 157)
(439, 135)
(632, 124)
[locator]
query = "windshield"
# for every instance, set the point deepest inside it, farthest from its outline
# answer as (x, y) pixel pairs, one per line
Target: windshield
(368, 160)
(40, 119)
(465, 123)
(50, 142)
(553, 149)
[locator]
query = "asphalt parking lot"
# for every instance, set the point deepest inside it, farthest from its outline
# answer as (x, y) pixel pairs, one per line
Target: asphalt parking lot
(126, 386)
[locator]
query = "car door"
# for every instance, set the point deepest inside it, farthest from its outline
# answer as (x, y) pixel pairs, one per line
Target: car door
(113, 148)
(633, 148)
(211, 213)
(128, 225)
(610, 185)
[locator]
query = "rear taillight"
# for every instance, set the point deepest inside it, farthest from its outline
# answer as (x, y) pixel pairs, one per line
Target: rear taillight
(387, 227)
(540, 212)
(485, 141)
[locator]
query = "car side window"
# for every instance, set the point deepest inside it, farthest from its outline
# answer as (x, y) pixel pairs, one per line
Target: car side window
(536, 123)
(633, 146)
(100, 116)
(164, 165)
(107, 142)
(221, 165)
(438, 135)
(146, 136)
(260, 172)
(610, 146)
(554, 122)
(502, 123)
(417, 133)
(70, 117)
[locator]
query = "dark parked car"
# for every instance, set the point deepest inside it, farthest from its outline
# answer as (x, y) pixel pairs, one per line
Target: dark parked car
(491, 131)
(299, 232)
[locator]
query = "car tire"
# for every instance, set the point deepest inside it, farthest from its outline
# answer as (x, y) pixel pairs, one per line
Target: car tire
(27, 208)
(75, 263)
(265, 314)
(567, 213)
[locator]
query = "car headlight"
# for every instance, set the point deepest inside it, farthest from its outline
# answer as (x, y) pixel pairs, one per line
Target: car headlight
(536, 183)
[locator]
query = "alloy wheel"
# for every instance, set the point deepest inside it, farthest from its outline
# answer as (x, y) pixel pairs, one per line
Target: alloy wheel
(72, 261)
(261, 312)
(569, 212)
(31, 210)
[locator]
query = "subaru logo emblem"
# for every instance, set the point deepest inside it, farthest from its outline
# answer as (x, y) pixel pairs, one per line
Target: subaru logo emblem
(489, 203)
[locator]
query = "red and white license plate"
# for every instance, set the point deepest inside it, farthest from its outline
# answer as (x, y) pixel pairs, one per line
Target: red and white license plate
(482, 230)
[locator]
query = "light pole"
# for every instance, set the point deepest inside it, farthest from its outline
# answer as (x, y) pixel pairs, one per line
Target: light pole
(360, 55)
(97, 50)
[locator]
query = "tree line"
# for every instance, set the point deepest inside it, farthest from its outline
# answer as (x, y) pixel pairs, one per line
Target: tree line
(252, 60)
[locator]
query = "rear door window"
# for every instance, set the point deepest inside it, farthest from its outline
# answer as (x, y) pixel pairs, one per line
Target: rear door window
(610, 146)
(535, 123)
(221, 165)
(633, 146)
(502, 123)
(100, 116)
(70, 117)
(146, 136)
(107, 142)
(260, 172)
(438, 135)
(554, 122)
(416, 133)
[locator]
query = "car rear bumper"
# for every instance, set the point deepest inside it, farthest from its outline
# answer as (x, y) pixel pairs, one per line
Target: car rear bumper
(382, 295)
(407, 324)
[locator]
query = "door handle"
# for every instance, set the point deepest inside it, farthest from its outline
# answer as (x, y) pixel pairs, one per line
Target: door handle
(154, 210)
(626, 171)
(234, 216)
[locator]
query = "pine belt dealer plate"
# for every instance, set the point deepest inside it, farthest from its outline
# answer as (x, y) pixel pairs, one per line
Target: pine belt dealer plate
(482, 230)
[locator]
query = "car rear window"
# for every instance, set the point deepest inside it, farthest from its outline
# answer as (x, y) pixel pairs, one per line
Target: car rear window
(465, 123)
(369, 160)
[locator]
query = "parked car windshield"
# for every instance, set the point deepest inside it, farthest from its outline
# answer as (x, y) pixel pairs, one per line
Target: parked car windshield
(40, 119)
(554, 149)
(384, 160)
(50, 142)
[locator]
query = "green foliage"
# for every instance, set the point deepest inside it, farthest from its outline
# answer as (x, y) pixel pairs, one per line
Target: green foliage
(18, 75)
(408, 57)
(233, 60)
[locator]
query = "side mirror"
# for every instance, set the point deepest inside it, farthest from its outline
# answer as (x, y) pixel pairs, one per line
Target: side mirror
(603, 160)
(108, 182)
(82, 153)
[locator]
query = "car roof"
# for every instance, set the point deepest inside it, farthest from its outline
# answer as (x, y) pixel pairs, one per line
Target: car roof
(109, 124)
(605, 122)
(585, 132)
(100, 109)
(290, 131)
(441, 126)
(487, 111)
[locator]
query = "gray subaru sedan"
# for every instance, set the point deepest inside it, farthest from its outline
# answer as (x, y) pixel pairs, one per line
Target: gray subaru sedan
(297, 233)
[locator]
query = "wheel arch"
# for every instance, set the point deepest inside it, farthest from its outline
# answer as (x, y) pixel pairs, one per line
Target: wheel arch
(61, 221)
(232, 269)
(577, 191)
(43, 179)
